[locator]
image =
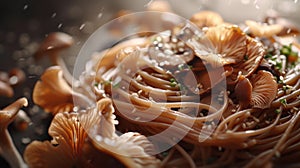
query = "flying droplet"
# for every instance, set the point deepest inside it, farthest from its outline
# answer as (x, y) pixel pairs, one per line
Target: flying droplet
(295, 1)
(53, 15)
(59, 25)
(148, 4)
(100, 15)
(81, 26)
(25, 7)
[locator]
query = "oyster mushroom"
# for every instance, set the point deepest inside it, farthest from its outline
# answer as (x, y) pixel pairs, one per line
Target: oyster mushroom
(259, 91)
(7, 148)
(71, 145)
(263, 30)
(252, 59)
(54, 94)
(53, 44)
(220, 45)
(206, 19)
(264, 89)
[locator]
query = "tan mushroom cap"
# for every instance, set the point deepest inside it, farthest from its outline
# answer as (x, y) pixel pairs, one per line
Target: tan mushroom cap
(264, 89)
(221, 45)
(8, 114)
(263, 30)
(53, 93)
(252, 59)
(54, 42)
(206, 19)
(71, 146)
(243, 91)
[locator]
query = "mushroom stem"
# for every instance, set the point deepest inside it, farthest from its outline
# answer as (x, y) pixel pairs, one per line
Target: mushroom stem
(7, 147)
(9, 151)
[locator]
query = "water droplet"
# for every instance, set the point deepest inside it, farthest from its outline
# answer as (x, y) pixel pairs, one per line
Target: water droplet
(53, 15)
(59, 25)
(100, 15)
(295, 1)
(25, 7)
(81, 26)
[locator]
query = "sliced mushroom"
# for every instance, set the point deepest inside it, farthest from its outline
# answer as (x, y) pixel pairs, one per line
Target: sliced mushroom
(206, 19)
(263, 30)
(71, 146)
(264, 89)
(7, 147)
(221, 45)
(52, 46)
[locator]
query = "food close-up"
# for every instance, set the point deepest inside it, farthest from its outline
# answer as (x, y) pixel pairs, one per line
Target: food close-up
(151, 84)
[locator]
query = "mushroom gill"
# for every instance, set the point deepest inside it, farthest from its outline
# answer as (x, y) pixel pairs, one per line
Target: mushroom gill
(206, 19)
(252, 59)
(53, 93)
(83, 139)
(264, 89)
(221, 45)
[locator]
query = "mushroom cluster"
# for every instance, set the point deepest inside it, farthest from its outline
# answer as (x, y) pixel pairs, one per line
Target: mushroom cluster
(208, 50)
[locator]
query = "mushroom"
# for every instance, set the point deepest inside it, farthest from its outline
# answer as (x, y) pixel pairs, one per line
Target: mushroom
(6, 89)
(220, 45)
(263, 30)
(252, 59)
(7, 148)
(206, 19)
(54, 94)
(81, 140)
(259, 91)
(52, 46)
(243, 91)
(264, 89)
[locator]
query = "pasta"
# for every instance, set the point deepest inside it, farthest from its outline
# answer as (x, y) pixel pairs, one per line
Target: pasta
(231, 95)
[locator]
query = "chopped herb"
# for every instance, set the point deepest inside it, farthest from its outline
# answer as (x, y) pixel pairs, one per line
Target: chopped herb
(277, 111)
(283, 102)
(173, 82)
(278, 65)
(116, 85)
(246, 57)
(181, 66)
(268, 55)
(96, 84)
(190, 66)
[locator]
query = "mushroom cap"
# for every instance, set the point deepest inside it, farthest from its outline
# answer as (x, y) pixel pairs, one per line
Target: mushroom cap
(221, 45)
(243, 91)
(70, 147)
(252, 59)
(8, 114)
(54, 42)
(264, 89)
(263, 30)
(53, 93)
(206, 19)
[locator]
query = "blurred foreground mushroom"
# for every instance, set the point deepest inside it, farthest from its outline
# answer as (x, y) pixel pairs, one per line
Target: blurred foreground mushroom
(53, 44)
(7, 147)
(81, 140)
(262, 29)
